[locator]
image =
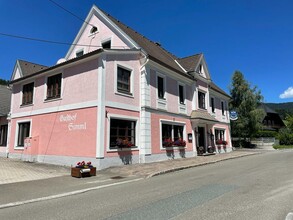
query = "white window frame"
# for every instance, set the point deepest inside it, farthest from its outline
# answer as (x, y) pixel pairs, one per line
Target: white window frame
(106, 40)
(205, 99)
(220, 129)
(16, 147)
(126, 67)
(169, 122)
(137, 129)
(223, 110)
(213, 112)
(78, 51)
(97, 31)
(184, 93)
(46, 87)
(165, 88)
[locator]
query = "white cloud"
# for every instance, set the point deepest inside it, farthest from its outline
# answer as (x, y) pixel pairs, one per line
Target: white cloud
(287, 94)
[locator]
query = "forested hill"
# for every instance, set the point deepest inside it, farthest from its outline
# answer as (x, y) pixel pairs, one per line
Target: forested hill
(282, 108)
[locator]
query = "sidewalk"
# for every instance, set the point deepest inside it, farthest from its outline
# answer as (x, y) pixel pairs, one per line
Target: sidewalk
(24, 182)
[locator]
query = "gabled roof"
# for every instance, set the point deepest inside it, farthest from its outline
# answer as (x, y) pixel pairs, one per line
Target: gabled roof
(5, 100)
(267, 109)
(28, 68)
(214, 87)
(154, 50)
(191, 62)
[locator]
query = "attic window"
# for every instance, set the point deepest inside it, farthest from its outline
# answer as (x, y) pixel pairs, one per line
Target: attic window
(106, 45)
(94, 30)
(79, 53)
(200, 69)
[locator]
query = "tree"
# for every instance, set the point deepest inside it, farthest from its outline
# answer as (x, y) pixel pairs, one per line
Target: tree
(245, 101)
(4, 82)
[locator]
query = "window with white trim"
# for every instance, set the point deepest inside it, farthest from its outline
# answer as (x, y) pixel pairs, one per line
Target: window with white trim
(223, 107)
(122, 133)
(106, 45)
(79, 53)
(123, 80)
(54, 86)
(27, 93)
(220, 134)
(161, 87)
(3, 135)
(171, 133)
(181, 92)
(213, 104)
(23, 132)
(201, 100)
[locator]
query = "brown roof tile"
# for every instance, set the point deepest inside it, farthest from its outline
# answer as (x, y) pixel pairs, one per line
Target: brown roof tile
(28, 68)
(189, 63)
(5, 100)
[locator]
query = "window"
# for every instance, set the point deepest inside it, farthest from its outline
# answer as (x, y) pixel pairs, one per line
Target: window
(122, 133)
(200, 69)
(171, 133)
(181, 94)
(201, 100)
(23, 132)
(220, 134)
(106, 45)
(213, 104)
(93, 30)
(223, 108)
(54, 86)
(161, 89)
(27, 94)
(123, 80)
(3, 135)
(79, 53)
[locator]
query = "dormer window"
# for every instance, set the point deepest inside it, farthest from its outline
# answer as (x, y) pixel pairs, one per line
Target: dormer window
(106, 45)
(93, 30)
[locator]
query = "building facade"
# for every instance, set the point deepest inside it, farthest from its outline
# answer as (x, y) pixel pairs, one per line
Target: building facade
(120, 99)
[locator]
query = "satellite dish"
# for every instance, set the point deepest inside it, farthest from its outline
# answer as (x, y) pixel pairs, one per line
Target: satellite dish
(61, 60)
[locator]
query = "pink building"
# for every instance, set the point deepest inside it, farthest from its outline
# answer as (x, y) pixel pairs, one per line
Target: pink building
(116, 98)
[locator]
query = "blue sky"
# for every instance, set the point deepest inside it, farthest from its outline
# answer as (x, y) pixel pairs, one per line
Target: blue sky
(255, 37)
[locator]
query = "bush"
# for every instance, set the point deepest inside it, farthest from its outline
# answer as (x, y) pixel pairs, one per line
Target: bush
(266, 134)
(285, 137)
(242, 143)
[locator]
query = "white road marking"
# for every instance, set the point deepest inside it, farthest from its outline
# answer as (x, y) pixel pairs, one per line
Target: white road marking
(8, 205)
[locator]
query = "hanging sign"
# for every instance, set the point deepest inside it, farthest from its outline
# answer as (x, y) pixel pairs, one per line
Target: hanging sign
(233, 116)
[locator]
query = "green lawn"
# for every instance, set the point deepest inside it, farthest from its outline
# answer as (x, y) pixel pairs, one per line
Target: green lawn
(283, 147)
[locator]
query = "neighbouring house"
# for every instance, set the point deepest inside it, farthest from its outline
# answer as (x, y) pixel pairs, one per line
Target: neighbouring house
(116, 98)
(272, 120)
(5, 99)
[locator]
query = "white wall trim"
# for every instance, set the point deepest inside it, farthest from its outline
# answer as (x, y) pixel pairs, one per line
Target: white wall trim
(123, 117)
(56, 109)
(121, 105)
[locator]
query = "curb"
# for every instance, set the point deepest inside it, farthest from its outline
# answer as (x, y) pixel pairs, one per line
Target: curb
(196, 165)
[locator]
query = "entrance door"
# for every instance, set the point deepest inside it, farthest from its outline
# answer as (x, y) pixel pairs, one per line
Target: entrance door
(201, 138)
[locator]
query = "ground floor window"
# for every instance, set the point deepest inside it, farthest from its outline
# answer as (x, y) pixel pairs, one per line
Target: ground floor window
(23, 132)
(172, 135)
(3, 135)
(219, 135)
(122, 133)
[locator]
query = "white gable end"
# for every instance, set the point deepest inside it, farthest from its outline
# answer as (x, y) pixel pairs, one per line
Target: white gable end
(16, 72)
(96, 33)
(202, 69)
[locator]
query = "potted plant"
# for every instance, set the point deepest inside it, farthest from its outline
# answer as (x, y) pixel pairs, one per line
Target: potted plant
(179, 142)
(167, 142)
(83, 169)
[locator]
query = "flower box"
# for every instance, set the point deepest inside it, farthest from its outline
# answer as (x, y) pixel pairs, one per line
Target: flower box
(83, 172)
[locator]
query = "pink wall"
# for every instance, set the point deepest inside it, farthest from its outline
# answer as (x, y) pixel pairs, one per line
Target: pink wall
(79, 85)
(156, 139)
(118, 112)
(129, 62)
(95, 39)
(68, 133)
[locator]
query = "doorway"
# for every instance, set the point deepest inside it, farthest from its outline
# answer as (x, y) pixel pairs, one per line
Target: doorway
(201, 138)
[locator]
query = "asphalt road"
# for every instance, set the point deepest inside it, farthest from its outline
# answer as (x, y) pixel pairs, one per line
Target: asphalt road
(255, 187)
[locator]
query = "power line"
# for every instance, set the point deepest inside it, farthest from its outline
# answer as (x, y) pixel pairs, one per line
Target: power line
(60, 6)
(45, 41)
